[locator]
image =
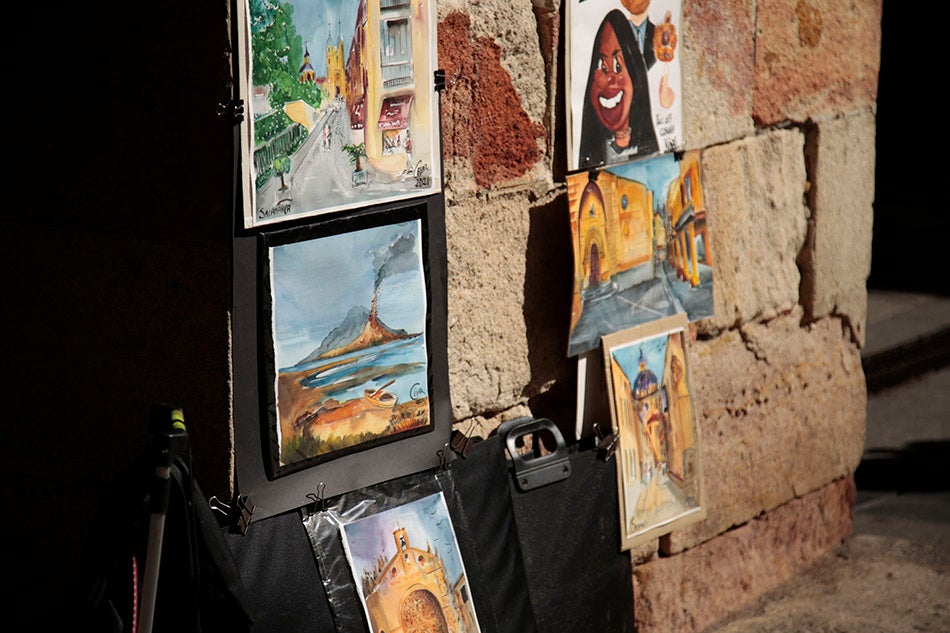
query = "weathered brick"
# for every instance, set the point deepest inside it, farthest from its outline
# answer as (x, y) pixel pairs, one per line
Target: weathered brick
(815, 57)
(782, 411)
(836, 261)
(704, 585)
(758, 220)
(717, 65)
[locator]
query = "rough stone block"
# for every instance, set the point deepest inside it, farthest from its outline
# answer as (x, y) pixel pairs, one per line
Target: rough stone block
(717, 63)
(485, 108)
(815, 57)
(837, 259)
(694, 590)
(487, 344)
(782, 411)
(757, 217)
(513, 27)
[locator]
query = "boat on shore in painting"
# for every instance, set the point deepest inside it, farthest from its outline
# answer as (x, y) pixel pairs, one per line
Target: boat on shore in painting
(380, 397)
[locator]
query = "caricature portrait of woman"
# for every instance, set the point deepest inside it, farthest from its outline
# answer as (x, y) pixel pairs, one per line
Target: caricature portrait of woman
(617, 123)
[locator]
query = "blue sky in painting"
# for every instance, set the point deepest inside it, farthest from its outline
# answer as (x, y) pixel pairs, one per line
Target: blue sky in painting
(426, 522)
(656, 173)
(314, 19)
(316, 282)
(654, 350)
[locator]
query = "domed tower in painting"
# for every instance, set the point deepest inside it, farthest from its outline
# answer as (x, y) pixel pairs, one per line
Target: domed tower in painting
(648, 402)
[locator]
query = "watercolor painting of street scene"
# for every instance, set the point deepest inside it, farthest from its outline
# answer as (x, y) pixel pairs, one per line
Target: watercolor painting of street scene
(408, 570)
(624, 85)
(653, 415)
(641, 246)
(340, 105)
(349, 317)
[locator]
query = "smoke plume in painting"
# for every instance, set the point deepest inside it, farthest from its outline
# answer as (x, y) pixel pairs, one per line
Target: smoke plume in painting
(349, 316)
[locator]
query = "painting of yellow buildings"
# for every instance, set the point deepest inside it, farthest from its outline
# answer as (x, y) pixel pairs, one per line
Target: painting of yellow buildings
(340, 105)
(641, 246)
(658, 469)
(408, 570)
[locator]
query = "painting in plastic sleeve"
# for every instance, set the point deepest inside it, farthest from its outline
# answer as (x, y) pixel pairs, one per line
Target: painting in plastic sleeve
(408, 570)
(349, 314)
(340, 105)
(641, 246)
(623, 80)
(658, 458)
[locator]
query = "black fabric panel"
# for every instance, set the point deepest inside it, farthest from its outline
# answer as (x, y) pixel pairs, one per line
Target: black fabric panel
(545, 561)
(198, 588)
(579, 581)
(490, 540)
(222, 599)
(279, 571)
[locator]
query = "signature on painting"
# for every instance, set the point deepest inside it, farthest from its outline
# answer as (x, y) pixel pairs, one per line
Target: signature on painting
(282, 208)
(423, 177)
(417, 392)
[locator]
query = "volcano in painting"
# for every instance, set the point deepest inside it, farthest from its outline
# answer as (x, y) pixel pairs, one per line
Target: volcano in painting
(349, 316)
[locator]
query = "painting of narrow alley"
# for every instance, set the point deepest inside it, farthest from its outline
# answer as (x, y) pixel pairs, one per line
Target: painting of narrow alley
(641, 247)
(340, 107)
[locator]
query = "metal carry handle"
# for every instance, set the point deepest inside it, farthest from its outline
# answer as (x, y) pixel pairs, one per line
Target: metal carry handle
(535, 470)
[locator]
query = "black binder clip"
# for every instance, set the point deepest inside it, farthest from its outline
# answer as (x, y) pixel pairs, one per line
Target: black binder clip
(439, 79)
(234, 107)
(460, 443)
(317, 501)
(236, 515)
(245, 509)
(444, 458)
(606, 444)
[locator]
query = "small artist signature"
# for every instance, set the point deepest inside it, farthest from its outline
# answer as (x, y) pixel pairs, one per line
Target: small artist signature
(423, 177)
(417, 392)
(282, 208)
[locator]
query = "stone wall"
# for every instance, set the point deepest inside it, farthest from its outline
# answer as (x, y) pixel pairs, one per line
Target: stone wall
(780, 96)
(119, 263)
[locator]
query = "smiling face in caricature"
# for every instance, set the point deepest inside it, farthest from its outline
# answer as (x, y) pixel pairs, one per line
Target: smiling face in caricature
(611, 91)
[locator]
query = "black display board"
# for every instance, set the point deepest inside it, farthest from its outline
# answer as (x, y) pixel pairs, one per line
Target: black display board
(272, 487)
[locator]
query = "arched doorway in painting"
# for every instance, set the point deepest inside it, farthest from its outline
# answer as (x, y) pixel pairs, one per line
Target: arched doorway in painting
(594, 279)
(421, 613)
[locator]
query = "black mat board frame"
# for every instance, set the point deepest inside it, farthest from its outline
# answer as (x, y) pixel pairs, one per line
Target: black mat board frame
(275, 490)
(344, 261)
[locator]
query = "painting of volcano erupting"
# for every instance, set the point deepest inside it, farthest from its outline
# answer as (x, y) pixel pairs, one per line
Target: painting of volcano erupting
(349, 318)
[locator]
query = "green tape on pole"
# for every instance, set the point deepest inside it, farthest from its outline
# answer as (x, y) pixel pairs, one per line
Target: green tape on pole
(178, 419)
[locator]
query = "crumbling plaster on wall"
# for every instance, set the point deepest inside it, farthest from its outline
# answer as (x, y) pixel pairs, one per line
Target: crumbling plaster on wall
(513, 28)
(484, 116)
